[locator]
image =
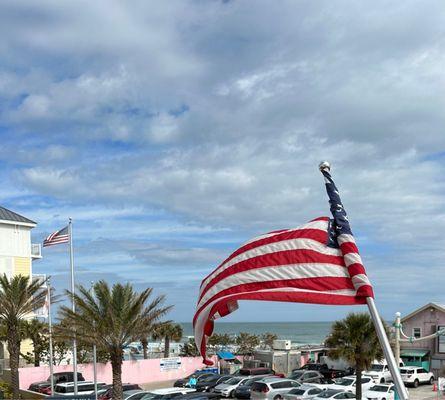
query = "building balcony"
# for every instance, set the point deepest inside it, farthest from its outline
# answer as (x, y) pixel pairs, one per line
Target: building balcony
(36, 250)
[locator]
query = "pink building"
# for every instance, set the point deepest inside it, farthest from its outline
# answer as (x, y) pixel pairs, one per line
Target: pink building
(428, 353)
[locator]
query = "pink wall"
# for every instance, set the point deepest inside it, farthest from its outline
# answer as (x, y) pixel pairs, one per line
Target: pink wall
(141, 371)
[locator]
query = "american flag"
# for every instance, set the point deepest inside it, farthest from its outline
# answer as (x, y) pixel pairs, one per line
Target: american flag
(317, 262)
(61, 236)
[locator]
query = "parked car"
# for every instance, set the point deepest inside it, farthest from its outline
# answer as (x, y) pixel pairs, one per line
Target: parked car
(308, 376)
(59, 377)
(208, 383)
(134, 394)
(334, 394)
(198, 396)
(383, 391)
(348, 383)
(243, 390)
(199, 375)
(67, 388)
(272, 388)
(415, 375)
(379, 371)
(303, 392)
(227, 389)
(108, 394)
(256, 371)
(167, 394)
(325, 370)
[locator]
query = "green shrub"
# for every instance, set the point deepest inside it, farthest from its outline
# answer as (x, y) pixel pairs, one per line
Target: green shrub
(6, 389)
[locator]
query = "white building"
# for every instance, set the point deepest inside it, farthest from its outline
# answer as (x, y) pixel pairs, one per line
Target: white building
(16, 252)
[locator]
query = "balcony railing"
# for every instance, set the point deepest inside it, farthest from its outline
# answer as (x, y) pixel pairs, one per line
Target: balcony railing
(36, 250)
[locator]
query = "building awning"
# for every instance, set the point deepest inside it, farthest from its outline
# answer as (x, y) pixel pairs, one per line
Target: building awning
(225, 355)
(413, 353)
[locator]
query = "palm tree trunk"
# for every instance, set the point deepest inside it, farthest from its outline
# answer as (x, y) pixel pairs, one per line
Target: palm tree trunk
(14, 358)
(166, 347)
(358, 384)
(36, 354)
(144, 343)
(116, 366)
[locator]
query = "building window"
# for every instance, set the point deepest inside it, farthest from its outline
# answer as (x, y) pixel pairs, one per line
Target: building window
(417, 333)
(441, 340)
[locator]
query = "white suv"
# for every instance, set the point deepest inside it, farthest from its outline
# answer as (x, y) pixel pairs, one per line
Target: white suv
(380, 373)
(415, 375)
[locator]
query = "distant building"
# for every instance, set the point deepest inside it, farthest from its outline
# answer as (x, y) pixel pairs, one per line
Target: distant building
(428, 353)
(16, 253)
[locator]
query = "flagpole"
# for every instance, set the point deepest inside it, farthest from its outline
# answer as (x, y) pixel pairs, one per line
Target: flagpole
(94, 356)
(378, 325)
(70, 231)
(50, 332)
(389, 356)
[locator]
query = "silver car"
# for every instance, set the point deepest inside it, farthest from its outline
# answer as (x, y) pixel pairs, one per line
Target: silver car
(227, 389)
(303, 376)
(303, 392)
(272, 388)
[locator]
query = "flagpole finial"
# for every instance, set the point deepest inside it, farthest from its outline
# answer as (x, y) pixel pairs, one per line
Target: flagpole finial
(324, 165)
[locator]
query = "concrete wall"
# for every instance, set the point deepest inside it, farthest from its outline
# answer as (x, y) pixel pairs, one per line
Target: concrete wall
(141, 371)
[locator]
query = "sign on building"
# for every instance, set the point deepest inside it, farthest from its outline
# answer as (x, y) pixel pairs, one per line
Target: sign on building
(168, 364)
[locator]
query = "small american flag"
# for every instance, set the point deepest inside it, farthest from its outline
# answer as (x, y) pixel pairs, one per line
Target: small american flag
(314, 263)
(61, 236)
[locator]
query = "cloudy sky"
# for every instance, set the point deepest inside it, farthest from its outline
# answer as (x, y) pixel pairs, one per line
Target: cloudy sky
(172, 131)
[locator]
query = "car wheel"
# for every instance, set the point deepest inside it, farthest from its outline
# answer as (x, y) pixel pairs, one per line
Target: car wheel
(382, 380)
(431, 380)
(232, 394)
(277, 397)
(416, 383)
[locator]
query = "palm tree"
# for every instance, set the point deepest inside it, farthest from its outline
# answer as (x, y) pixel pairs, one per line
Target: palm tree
(112, 319)
(169, 332)
(37, 331)
(189, 349)
(19, 298)
(355, 340)
(247, 343)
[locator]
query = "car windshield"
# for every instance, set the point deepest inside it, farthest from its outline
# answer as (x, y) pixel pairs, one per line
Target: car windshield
(376, 367)
(210, 378)
(234, 381)
(297, 391)
(297, 375)
(327, 393)
(249, 382)
(149, 396)
(345, 382)
(379, 388)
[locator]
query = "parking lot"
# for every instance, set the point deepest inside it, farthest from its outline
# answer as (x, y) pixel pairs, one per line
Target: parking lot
(424, 392)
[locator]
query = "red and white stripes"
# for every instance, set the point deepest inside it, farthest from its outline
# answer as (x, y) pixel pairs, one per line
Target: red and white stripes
(293, 265)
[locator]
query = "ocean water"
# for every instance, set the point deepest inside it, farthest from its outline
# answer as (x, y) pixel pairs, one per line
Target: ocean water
(297, 332)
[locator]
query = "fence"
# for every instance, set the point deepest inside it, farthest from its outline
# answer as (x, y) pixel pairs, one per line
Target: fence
(140, 371)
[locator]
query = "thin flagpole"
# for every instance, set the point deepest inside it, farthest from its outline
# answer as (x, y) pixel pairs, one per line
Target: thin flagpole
(389, 356)
(70, 232)
(94, 357)
(380, 330)
(50, 332)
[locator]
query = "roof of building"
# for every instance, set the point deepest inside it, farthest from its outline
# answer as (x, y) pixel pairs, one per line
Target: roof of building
(225, 355)
(8, 215)
(413, 352)
(437, 306)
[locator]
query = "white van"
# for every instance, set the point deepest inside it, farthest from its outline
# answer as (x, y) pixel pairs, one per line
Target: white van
(379, 371)
(84, 387)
